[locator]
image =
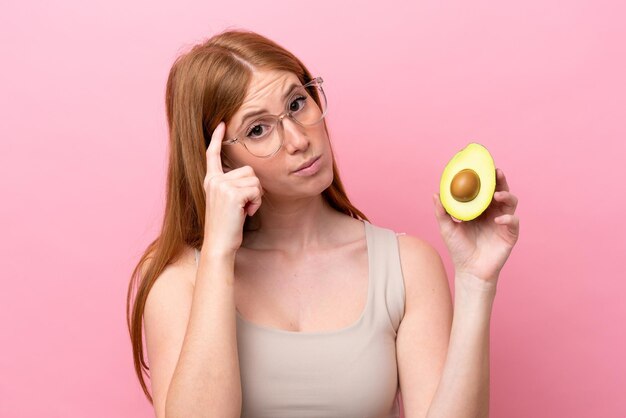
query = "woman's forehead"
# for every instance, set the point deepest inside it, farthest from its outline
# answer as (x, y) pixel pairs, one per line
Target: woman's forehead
(267, 93)
(268, 85)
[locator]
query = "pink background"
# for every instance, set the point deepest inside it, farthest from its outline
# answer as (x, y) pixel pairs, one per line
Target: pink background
(540, 83)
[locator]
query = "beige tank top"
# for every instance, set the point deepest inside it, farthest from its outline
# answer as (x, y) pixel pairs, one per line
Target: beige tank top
(350, 372)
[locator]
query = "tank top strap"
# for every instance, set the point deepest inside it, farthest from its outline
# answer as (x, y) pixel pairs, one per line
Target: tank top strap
(197, 255)
(387, 274)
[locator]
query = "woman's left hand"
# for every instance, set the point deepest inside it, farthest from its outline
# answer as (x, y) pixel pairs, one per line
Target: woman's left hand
(481, 246)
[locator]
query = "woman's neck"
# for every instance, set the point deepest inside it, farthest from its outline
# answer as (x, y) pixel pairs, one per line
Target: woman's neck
(304, 224)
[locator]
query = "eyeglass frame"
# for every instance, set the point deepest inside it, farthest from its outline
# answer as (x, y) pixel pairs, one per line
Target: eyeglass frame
(287, 112)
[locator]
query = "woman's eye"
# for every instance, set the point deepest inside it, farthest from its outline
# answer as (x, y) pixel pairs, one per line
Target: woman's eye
(257, 131)
(297, 104)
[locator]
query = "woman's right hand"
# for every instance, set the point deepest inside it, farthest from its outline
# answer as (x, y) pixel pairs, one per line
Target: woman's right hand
(230, 197)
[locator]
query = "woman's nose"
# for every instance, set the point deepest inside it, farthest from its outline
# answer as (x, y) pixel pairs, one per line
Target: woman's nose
(294, 136)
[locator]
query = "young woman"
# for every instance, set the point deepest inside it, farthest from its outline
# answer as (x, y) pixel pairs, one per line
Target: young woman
(268, 294)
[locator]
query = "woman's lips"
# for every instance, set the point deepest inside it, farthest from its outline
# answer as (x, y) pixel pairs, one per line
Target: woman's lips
(311, 169)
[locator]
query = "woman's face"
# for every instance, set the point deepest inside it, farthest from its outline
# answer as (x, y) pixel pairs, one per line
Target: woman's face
(300, 144)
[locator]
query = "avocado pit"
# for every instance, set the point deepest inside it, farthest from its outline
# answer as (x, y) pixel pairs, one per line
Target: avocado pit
(465, 185)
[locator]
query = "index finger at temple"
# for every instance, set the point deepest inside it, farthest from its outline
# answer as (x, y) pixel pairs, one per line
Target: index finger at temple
(214, 161)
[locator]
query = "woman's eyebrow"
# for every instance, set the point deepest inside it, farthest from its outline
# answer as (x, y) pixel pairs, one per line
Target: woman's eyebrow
(262, 111)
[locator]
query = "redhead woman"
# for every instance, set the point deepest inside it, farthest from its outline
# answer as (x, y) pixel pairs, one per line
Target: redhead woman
(268, 294)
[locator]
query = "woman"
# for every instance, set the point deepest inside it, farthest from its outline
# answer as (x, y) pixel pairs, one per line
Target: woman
(268, 294)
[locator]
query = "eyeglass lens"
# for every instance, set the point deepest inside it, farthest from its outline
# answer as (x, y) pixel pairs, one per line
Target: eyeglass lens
(262, 138)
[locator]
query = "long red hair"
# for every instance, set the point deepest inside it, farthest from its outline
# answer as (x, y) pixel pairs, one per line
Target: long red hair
(205, 85)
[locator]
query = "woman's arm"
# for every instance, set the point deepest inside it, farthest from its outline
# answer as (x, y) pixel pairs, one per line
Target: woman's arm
(442, 350)
(463, 390)
(479, 248)
(206, 381)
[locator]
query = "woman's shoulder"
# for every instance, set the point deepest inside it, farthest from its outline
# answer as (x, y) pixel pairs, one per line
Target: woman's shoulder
(181, 267)
(415, 252)
(423, 269)
(411, 246)
(404, 239)
(170, 294)
(419, 259)
(415, 246)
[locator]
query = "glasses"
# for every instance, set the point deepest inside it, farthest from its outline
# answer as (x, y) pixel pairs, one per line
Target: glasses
(306, 106)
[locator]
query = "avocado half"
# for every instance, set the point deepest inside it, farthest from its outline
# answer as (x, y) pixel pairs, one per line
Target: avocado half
(468, 182)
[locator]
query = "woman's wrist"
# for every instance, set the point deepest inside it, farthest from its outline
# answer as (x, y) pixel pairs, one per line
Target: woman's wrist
(217, 252)
(473, 300)
(472, 284)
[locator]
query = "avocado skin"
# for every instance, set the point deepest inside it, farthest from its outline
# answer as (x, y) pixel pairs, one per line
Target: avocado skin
(476, 157)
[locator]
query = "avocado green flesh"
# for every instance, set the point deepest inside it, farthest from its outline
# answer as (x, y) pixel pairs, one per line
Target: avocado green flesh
(475, 157)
